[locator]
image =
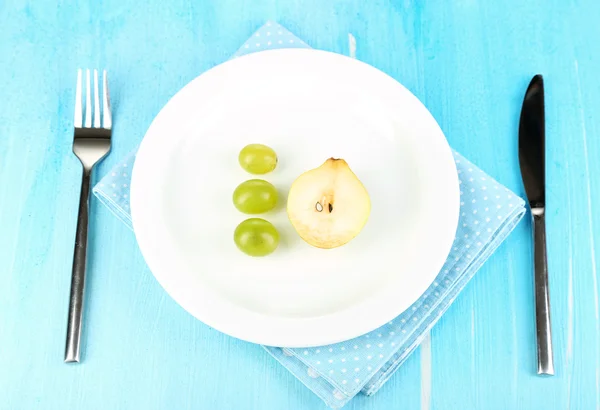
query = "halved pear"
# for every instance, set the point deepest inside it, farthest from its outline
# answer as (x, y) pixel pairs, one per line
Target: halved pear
(328, 206)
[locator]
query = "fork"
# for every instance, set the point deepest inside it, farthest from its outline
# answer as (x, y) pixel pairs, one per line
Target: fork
(91, 143)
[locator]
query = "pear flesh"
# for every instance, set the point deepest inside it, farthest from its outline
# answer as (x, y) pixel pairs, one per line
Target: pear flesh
(328, 206)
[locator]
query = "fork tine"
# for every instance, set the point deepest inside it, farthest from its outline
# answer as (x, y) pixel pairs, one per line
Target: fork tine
(88, 100)
(78, 112)
(107, 119)
(96, 101)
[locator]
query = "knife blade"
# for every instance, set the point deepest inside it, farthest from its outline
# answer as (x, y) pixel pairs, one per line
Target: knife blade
(532, 135)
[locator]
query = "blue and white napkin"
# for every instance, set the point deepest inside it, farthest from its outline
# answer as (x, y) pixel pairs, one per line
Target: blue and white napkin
(338, 372)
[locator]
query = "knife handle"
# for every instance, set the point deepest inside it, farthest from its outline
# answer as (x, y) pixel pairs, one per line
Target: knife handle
(542, 296)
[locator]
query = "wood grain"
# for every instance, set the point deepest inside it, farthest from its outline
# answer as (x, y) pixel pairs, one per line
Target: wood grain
(469, 61)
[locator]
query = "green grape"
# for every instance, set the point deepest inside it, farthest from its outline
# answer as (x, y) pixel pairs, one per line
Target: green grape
(257, 159)
(255, 196)
(256, 237)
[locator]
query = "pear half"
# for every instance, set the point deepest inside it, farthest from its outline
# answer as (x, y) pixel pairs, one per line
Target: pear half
(328, 206)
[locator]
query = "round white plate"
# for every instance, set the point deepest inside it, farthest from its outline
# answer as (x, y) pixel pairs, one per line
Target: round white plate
(308, 106)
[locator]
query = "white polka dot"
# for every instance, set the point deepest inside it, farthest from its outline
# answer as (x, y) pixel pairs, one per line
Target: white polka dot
(473, 201)
(269, 43)
(467, 246)
(318, 362)
(485, 198)
(368, 346)
(477, 233)
(247, 46)
(472, 189)
(268, 33)
(498, 206)
(312, 373)
(478, 243)
(426, 306)
(124, 185)
(269, 24)
(280, 42)
(355, 357)
(403, 331)
(458, 171)
(287, 352)
(113, 185)
(458, 161)
(510, 205)
(414, 319)
(483, 188)
(279, 32)
(305, 352)
(510, 197)
(357, 369)
(403, 320)
(338, 395)
(257, 44)
(489, 230)
(391, 322)
(483, 178)
(437, 293)
(393, 343)
(125, 195)
(318, 351)
(330, 349)
(466, 235)
(344, 382)
(115, 195)
(125, 165)
(369, 368)
(393, 333)
(462, 204)
(330, 360)
(355, 346)
(369, 357)
(291, 41)
(114, 174)
(331, 371)
(380, 345)
(344, 370)
(343, 359)
(487, 209)
(379, 335)
(343, 348)
(257, 34)
(457, 269)
(381, 356)
(357, 380)
(414, 308)
(474, 211)
(470, 169)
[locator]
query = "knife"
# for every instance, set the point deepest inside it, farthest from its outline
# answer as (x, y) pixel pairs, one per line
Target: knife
(532, 161)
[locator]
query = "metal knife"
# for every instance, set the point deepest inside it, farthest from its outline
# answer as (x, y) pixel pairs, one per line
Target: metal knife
(532, 160)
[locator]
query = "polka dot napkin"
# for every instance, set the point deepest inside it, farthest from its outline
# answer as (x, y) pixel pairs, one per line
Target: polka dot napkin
(338, 372)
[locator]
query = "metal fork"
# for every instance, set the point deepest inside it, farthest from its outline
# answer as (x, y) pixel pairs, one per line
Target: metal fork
(91, 143)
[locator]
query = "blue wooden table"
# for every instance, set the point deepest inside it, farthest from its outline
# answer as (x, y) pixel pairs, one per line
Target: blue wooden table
(469, 61)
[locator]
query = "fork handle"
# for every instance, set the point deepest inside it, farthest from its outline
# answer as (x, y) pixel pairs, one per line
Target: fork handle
(72, 348)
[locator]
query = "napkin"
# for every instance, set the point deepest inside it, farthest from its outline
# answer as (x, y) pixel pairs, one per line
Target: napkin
(338, 372)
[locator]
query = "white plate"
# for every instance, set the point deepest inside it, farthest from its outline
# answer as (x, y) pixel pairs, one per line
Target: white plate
(308, 106)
